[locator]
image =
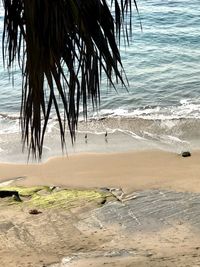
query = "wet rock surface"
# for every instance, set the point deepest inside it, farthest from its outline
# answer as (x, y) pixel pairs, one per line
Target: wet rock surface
(148, 210)
(151, 212)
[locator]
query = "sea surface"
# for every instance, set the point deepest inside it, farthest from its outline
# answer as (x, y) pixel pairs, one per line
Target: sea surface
(160, 110)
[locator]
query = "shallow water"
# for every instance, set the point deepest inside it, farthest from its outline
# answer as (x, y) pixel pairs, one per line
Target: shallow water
(162, 105)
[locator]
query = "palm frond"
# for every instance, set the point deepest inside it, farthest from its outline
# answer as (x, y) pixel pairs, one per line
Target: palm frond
(67, 43)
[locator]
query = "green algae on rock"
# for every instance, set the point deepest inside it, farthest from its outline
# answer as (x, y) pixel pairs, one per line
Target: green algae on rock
(44, 197)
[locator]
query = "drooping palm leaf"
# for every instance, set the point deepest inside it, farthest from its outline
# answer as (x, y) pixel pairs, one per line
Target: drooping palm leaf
(67, 43)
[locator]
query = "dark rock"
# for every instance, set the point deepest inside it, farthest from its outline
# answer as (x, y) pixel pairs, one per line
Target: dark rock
(9, 193)
(55, 188)
(103, 201)
(185, 154)
(52, 187)
(101, 119)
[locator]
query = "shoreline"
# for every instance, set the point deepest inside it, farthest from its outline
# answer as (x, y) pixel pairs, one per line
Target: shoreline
(123, 134)
(131, 171)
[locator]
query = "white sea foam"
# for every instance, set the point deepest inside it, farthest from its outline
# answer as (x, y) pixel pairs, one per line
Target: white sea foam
(187, 109)
(130, 133)
(167, 139)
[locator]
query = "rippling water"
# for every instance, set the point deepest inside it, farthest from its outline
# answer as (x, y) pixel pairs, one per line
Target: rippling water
(162, 105)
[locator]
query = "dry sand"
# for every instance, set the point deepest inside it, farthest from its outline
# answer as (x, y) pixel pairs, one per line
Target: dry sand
(47, 237)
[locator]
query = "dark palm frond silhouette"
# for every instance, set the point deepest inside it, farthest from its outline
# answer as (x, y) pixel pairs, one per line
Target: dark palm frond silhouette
(62, 48)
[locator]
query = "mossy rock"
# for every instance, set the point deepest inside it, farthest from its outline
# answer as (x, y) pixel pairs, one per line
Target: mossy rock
(25, 191)
(64, 198)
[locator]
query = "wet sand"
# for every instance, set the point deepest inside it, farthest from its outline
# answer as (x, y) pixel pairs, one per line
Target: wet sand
(157, 226)
(130, 171)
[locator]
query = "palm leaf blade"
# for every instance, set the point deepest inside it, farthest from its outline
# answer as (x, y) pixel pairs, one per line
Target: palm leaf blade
(49, 37)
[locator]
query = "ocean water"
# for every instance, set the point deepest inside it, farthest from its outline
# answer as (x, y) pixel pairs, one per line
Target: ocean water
(160, 110)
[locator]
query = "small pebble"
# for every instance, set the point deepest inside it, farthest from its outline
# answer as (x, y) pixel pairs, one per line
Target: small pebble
(34, 212)
(16, 198)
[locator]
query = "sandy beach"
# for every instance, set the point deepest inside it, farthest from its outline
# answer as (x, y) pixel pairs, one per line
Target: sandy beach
(154, 190)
